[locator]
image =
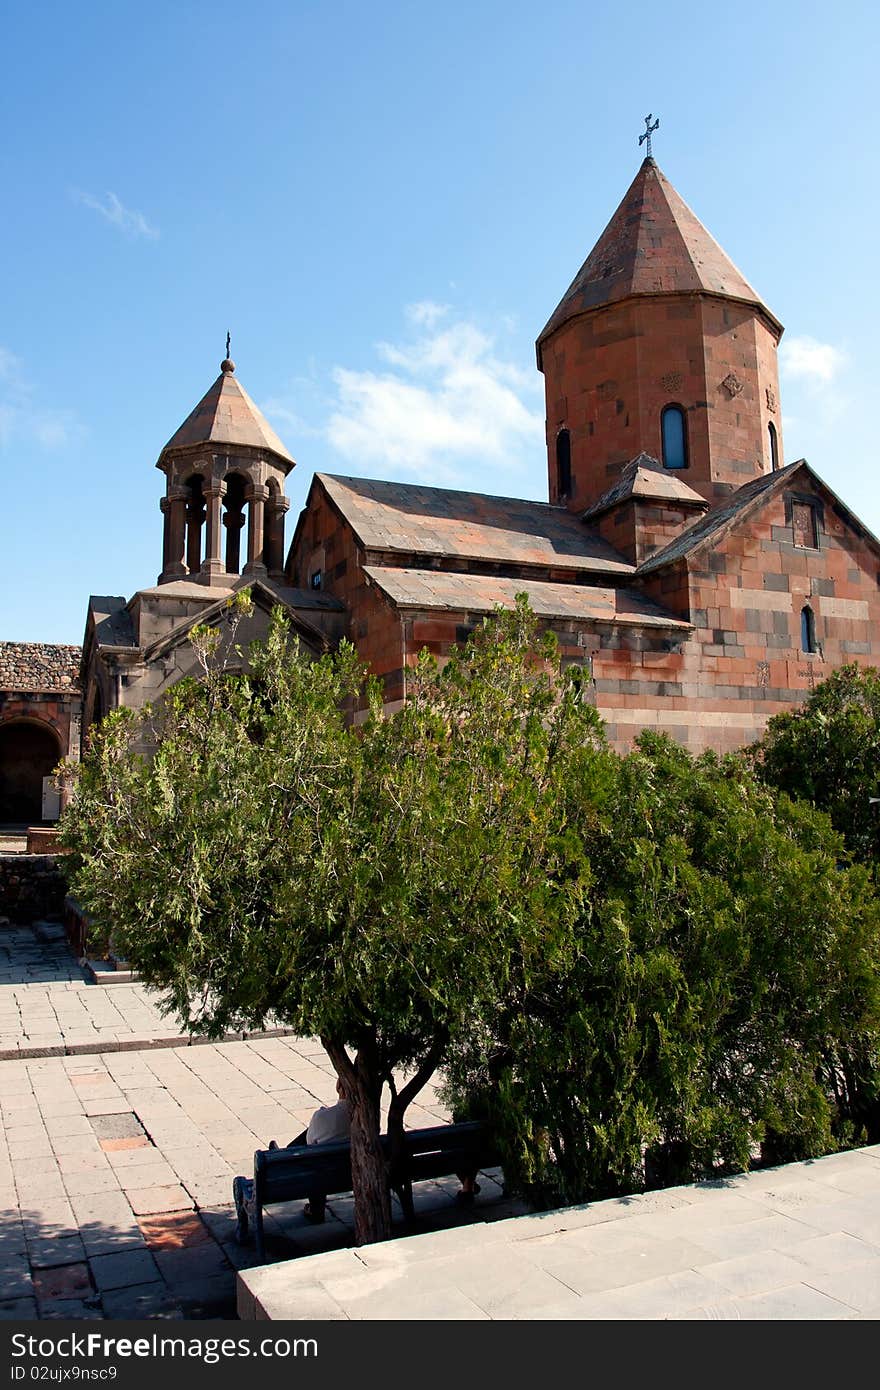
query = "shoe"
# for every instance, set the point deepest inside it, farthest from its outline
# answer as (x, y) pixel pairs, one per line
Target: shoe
(466, 1199)
(312, 1216)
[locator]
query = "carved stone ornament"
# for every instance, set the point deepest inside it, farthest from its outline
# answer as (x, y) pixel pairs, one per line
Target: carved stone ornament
(771, 399)
(672, 381)
(732, 384)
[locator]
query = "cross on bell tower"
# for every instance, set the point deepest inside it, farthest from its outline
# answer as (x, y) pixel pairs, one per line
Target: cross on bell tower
(646, 135)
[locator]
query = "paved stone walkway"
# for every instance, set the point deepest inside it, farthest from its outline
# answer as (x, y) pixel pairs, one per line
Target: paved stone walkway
(48, 1006)
(118, 1147)
(799, 1242)
(116, 1164)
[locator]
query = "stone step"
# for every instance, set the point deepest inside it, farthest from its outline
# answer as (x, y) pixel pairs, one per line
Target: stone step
(109, 972)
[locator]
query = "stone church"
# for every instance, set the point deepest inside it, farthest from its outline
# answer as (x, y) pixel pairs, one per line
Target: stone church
(703, 583)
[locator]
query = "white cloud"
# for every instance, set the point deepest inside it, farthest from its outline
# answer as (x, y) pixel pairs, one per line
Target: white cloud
(128, 220)
(23, 418)
(806, 359)
(449, 410)
(426, 313)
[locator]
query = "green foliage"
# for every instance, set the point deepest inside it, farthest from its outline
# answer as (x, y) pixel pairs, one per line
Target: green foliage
(725, 962)
(638, 968)
(375, 884)
(828, 752)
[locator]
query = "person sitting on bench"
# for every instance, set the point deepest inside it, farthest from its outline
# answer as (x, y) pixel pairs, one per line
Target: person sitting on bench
(328, 1125)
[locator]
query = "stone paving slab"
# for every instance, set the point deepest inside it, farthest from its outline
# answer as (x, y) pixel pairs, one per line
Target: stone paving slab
(50, 1006)
(117, 1173)
(119, 1139)
(718, 1250)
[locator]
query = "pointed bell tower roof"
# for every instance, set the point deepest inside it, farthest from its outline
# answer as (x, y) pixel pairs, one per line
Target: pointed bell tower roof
(654, 244)
(226, 416)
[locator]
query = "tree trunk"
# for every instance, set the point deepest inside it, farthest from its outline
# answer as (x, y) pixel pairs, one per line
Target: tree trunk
(362, 1085)
(369, 1173)
(401, 1099)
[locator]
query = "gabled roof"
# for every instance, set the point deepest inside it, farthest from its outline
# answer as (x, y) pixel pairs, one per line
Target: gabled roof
(654, 244)
(265, 594)
(477, 593)
(710, 529)
(284, 594)
(110, 621)
(645, 478)
(226, 415)
(408, 518)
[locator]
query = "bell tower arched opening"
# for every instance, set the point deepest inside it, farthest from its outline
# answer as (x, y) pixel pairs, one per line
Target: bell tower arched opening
(195, 523)
(235, 521)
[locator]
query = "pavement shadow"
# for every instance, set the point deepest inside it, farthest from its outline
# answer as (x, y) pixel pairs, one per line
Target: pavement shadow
(31, 955)
(181, 1265)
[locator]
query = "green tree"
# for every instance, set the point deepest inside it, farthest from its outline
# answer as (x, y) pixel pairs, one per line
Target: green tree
(726, 961)
(256, 853)
(828, 752)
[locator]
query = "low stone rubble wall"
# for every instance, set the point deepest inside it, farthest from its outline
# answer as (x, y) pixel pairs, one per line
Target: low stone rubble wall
(32, 887)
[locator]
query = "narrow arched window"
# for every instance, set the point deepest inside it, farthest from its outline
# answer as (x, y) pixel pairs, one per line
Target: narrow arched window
(563, 464)
(808, 629)
(774, 446)
(673, 430)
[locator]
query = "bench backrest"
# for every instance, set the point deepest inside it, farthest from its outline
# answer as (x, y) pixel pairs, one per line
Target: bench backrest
(430, 1152)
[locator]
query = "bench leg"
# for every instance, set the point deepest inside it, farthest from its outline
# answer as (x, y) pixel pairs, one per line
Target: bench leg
(243, 1197)
(404, 1192)
(258, 1233)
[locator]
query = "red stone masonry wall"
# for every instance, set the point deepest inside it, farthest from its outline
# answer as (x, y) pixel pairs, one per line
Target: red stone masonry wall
(56, 711)
(744, 661)
(326, 542)
(441, 631)
(639, 529)
(608, 375)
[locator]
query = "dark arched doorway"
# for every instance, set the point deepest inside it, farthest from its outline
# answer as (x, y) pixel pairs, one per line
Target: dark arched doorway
(28, 753)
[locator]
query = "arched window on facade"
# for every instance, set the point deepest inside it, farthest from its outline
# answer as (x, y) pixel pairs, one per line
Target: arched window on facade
(774, 446)
(673, 432)
(563, 464)
(808, 630)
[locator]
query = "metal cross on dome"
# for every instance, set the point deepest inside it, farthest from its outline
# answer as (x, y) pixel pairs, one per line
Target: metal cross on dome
(647, 133)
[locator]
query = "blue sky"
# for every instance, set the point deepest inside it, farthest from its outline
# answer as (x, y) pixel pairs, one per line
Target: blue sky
(384, 202)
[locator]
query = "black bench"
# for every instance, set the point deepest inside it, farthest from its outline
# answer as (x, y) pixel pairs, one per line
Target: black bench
(283, 1175)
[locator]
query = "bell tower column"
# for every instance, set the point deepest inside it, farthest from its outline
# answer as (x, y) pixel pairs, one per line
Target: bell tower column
(174, 509)
(212, 565)
(257, 495)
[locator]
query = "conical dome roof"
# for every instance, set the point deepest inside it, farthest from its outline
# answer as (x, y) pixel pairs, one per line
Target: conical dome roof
(226, 415)
(654, 244)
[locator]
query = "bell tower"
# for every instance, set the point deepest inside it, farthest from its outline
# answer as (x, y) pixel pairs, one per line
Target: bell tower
(225, 470)
(661, 347)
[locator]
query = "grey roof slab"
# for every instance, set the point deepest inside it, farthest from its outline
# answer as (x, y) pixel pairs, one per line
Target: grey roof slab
(410, 518)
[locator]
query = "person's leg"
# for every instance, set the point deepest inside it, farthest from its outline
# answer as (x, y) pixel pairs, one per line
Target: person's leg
(315, 1208)
(469, 1187)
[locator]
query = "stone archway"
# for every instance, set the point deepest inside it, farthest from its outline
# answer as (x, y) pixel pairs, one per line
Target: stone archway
(28, 752)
